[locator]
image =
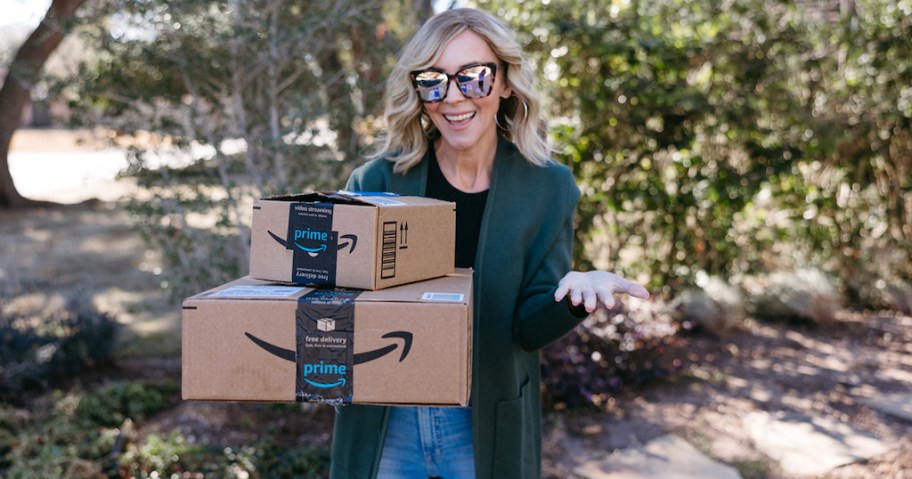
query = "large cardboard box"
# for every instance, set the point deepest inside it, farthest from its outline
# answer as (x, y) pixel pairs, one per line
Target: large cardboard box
(252, 340)
(352, 241)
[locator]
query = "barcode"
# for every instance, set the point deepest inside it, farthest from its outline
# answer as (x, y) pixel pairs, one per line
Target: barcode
(388, 250)
(454, 297)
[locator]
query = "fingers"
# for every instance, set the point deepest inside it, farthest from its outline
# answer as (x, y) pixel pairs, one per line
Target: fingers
(636, 290)
(624, 285)
(566, 285)
(576, 296)
(597, 287)
(562, 290)
(590, 299)
(606, 298)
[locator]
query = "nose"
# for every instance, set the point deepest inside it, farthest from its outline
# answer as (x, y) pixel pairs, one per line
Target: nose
(453, 94)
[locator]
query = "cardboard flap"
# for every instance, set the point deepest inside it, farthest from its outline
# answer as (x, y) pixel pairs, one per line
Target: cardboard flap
(339, 198)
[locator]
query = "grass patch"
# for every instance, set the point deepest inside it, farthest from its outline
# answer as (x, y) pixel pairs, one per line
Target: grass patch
(93, 434)
(134, 344)
(753, 468)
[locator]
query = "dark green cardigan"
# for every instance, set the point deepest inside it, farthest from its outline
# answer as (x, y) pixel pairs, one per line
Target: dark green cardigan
(524, 249)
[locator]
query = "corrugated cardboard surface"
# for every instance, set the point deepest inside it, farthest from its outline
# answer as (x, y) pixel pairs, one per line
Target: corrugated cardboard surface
(220, 361)
(396, 244)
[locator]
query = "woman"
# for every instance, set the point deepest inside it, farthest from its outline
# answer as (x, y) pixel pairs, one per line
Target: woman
(464, 125)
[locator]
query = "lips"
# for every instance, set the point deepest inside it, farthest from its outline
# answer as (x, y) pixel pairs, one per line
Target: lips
(460, 118)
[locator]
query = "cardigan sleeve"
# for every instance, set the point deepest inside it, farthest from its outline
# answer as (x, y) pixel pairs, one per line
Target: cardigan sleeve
(367, 177)
(539, 319)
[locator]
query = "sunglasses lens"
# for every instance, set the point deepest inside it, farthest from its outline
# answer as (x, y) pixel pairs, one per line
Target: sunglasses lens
(431, 85)
(476, 81)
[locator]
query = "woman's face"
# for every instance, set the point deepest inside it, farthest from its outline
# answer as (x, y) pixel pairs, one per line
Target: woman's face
(463, 122)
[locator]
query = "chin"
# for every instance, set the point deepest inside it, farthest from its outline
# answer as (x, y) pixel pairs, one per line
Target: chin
(457, 142)
(463, 140)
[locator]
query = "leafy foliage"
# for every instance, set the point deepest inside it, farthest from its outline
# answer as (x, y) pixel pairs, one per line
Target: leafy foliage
(716, 137)
(710, 139)
(224, 102)
(115, 403)
(804, 295)
(729, 137)
(94, 434)
(35, 355)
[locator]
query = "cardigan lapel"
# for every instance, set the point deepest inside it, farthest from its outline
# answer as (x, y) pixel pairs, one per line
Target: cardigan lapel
(494, 208)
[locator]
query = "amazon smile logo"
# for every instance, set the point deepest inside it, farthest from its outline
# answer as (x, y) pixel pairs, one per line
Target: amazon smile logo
(310, 236)
(289, 354)
(314, 242)
(322, 368)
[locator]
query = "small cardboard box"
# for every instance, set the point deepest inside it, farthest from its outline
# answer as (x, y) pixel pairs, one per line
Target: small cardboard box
(352, 241)
(252, 340)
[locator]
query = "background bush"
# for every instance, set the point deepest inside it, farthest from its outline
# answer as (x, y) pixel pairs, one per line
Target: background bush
(37, 353)
(732, 137)
(710, 139)
(610, 353)
(92, 434)
(224, 102)
(721, 138)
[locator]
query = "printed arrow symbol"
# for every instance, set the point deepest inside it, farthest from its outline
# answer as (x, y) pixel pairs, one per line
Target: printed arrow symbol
(406, 338)
(286, 354)
(278, 239)
(340, 382)
(354, 242)
(289, 355)
(311, 250)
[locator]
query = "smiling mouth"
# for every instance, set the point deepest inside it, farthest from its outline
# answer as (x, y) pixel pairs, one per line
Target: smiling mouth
(459, 118)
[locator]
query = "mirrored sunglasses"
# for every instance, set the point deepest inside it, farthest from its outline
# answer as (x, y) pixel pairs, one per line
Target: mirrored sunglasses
(475, 81)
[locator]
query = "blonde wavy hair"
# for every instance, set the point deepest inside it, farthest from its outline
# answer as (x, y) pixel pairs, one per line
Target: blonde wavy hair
(409, 128)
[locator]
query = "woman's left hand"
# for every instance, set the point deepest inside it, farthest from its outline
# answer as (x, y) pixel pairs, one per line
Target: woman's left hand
(596, 288)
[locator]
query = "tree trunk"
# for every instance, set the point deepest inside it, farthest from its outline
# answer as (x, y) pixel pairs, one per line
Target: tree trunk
(23, 72)
(424, 10)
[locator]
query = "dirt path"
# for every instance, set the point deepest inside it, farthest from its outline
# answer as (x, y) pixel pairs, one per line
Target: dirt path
(817, 372)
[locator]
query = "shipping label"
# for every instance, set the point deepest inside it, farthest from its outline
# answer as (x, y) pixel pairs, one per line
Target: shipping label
(325, 326)
(313, 242)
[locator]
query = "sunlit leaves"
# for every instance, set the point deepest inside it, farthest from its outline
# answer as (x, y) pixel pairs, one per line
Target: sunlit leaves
(713, 133)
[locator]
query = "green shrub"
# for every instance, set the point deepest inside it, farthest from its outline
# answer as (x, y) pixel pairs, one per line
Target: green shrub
(608, 353)
(276, 461)
(716, 307)
(36, 354)
(90, 435)
(803, 295)
(162, 456)
(48, 442)
(893, 294)
(113, 404)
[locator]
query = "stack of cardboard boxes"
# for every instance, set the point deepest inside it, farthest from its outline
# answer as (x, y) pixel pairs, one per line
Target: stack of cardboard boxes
(351, 298)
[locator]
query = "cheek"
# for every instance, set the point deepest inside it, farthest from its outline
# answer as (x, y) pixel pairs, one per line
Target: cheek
(430, 109)
(492, 103)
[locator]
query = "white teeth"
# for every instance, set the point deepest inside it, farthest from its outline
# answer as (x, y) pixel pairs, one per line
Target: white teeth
(464, 116)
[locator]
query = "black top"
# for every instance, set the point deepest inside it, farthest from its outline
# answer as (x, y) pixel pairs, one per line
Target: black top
(469, 211)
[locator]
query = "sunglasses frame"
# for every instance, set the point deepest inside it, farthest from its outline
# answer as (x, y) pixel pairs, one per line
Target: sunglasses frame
(450, 77)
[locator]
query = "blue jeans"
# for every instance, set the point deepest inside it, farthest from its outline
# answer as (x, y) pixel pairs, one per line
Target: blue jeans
(424, 442)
